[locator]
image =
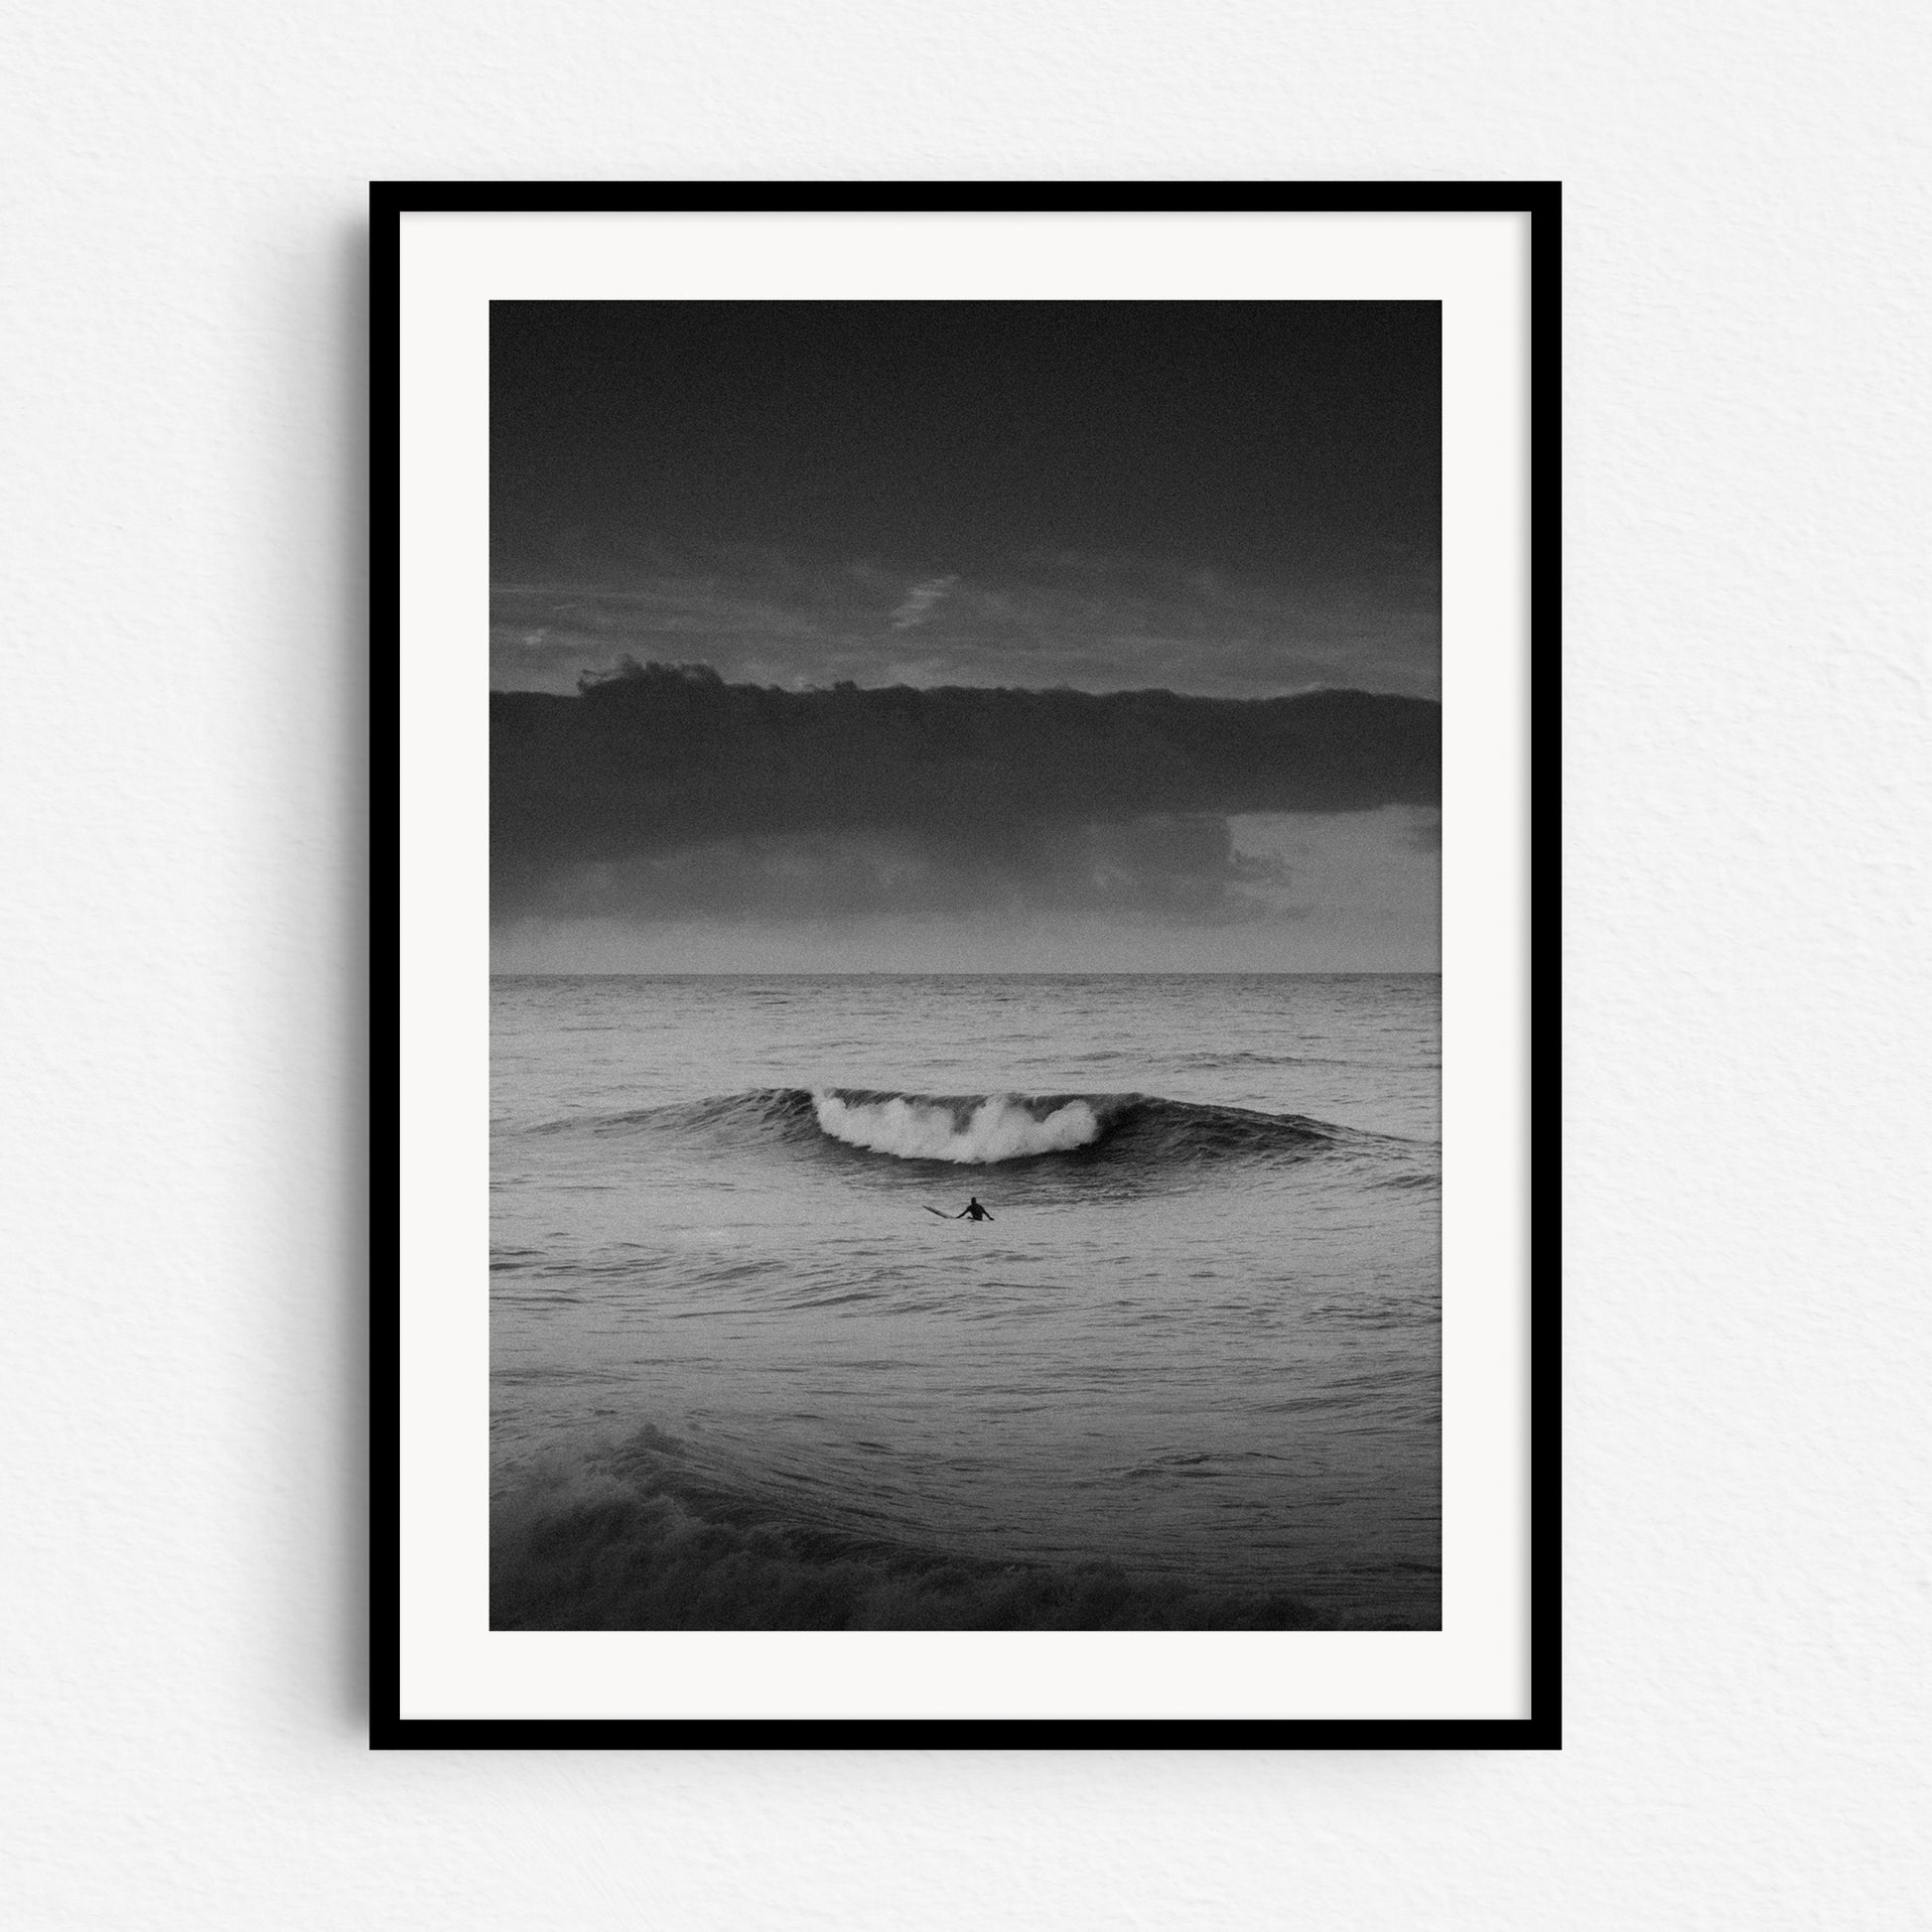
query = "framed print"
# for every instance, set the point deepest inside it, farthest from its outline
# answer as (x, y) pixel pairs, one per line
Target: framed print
(965, 965)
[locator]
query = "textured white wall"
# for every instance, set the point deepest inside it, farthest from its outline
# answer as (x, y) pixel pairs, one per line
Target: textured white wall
(1748, 395)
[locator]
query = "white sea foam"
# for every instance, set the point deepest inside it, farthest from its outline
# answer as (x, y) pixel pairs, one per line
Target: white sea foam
(1000, 1127)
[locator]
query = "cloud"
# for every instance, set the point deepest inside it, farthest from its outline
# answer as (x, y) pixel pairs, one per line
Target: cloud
(666, 795)
(920, 601)
(1159, 869)
(1258, 893)
(774, 615)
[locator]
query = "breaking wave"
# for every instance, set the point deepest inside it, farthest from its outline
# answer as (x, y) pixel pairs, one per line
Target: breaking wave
(980, 1128)
(630, 1540)
(1001, 1127)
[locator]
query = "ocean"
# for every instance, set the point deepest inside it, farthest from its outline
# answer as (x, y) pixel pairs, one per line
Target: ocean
(1186, 1376)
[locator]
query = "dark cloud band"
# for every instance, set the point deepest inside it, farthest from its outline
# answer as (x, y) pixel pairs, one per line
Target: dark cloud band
(666, 790)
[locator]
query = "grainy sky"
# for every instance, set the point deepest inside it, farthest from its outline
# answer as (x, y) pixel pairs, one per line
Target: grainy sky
(1232, 499)
(1238, 502)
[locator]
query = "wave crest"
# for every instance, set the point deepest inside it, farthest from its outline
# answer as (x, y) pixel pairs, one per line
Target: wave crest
(1130, 1133)
(974, 1131)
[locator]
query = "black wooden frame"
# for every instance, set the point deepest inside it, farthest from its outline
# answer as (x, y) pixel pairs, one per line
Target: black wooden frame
(1541, 202)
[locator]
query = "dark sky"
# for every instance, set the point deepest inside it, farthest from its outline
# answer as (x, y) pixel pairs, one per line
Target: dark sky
(954, 511)
(1236, 498)
(671, 791)
(1251, 436)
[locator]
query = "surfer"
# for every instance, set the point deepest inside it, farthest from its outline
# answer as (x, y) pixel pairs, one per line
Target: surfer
(972, 1212)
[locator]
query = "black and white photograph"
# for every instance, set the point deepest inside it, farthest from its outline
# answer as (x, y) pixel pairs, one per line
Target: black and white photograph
(967, 969)
(965, 941)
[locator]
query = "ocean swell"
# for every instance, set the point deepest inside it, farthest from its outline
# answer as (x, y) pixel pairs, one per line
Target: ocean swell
(1143, 1131)
(630, 1539)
